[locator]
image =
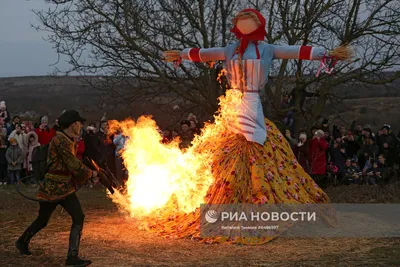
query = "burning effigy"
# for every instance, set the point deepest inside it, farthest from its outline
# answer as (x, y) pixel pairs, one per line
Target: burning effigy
(240, 158)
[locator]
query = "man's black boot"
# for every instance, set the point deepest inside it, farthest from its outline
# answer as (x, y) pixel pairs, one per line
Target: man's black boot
(77, 262)
(22, 243)
(73, 251)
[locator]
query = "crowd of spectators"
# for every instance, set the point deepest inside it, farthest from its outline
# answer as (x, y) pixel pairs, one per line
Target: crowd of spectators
(333, 154)
(19, 138)
(17, 142)
(350, 156)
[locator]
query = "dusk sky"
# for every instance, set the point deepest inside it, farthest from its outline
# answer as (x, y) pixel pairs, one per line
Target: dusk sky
(23, 52)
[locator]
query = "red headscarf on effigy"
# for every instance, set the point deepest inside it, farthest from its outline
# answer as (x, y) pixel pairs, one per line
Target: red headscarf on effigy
(257, 35)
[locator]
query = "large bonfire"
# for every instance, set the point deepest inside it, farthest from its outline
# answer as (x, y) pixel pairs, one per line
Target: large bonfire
(163, 179)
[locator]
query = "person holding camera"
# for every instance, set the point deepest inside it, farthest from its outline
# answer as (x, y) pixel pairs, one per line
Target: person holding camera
(301, 151)
(44, 132)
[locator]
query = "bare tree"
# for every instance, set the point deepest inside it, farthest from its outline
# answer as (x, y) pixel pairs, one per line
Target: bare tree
(123, 39)
(371, 27)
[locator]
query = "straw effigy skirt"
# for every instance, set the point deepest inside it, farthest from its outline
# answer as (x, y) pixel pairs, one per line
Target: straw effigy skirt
(247, 172)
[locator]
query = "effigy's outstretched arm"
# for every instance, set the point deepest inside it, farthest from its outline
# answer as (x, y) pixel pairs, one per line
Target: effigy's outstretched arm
(196, 54)
(310, 53)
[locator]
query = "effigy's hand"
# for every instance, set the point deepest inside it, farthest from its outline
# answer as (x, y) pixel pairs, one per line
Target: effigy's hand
(171, 55)
(328, 62)
(344, 52)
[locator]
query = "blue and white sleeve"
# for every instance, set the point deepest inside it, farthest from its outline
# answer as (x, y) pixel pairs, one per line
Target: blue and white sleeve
(203, 54)
(298, 52)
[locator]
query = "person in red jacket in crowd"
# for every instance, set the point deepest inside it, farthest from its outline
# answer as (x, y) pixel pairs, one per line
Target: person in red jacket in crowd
(80, 147)
(301, 151)
(43, 131)
(317, 154)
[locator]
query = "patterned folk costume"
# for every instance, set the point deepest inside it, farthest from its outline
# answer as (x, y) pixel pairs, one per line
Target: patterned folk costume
(65, 172)
(253, 163)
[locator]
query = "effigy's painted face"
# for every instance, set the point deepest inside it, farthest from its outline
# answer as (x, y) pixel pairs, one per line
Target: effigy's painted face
(247, 25)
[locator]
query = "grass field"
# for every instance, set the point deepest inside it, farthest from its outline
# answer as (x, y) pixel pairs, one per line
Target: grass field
(110, 239)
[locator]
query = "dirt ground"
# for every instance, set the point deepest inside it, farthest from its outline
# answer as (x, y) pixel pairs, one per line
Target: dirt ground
(110, 239)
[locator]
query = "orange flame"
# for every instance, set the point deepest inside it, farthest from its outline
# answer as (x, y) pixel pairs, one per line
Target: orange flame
(163, 178)
(222, 73)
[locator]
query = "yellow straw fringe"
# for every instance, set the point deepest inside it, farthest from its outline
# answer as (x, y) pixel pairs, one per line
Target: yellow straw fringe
(171, 55)
(342, 53)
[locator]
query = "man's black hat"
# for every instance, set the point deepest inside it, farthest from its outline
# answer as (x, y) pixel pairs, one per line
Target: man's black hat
(69, 117)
